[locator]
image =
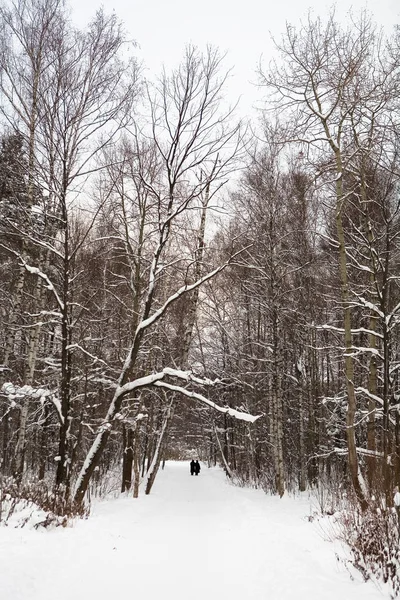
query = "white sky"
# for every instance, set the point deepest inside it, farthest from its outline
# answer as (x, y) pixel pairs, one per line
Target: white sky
(242, 28)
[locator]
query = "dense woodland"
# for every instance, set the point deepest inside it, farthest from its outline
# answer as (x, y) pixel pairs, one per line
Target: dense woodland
(175, 281)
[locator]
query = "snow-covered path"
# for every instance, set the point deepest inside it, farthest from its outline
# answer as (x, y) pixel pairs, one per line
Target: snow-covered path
(193, 538)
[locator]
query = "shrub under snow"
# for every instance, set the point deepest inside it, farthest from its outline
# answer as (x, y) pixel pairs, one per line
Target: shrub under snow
(34, 505)
(373, 538)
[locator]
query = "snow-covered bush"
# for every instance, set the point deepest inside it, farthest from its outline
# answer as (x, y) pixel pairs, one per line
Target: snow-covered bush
(18, 512)
(373, 538)
(35, 505)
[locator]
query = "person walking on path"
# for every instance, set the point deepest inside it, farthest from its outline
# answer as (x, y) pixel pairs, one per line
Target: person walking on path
(193, 468)
(197, 467)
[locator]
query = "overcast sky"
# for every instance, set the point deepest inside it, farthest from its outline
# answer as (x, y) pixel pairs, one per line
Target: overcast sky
(241, 28)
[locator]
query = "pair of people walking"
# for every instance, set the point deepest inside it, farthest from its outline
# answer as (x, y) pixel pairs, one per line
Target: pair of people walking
(194, 467)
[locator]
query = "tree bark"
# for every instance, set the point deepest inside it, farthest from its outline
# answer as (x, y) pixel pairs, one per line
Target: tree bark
(349, 364)
(136, 461)
(127, 458)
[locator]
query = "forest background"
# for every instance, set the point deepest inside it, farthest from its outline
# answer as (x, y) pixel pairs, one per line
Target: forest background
(176, 280)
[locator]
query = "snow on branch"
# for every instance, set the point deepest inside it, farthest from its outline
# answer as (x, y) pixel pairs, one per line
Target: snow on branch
(329, 239)
(95, 358)
(344, 451)
(361, 390)
(146, 381)
(180, 292)
(367, 304)
(157, 379)
(35, 240)
(149, 380)
(15, 393)
(57, 405)
(393, 314)
(394, 367)
(356, 264)
(188, 376)
(356, 350)
(353, 331)
(49, 285)
(39, 273)
(227, 410)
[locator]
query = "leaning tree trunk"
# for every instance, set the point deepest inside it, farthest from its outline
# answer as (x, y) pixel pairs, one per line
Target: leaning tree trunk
(187, 339)
(155, 463)
(136, 461)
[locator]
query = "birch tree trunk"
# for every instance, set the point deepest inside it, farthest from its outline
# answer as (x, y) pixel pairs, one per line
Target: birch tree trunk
(16, 311)
(33, 346)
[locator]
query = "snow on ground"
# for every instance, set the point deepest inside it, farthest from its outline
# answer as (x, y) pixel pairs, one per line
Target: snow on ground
(193, 538)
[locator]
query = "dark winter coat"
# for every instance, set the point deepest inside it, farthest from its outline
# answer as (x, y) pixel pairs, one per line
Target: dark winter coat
(197, 467)
(192, 467)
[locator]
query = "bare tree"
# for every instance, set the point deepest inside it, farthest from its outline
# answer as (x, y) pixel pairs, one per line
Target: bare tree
(26, 34)
(190, 132)
(327, 74)
(79, 97)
